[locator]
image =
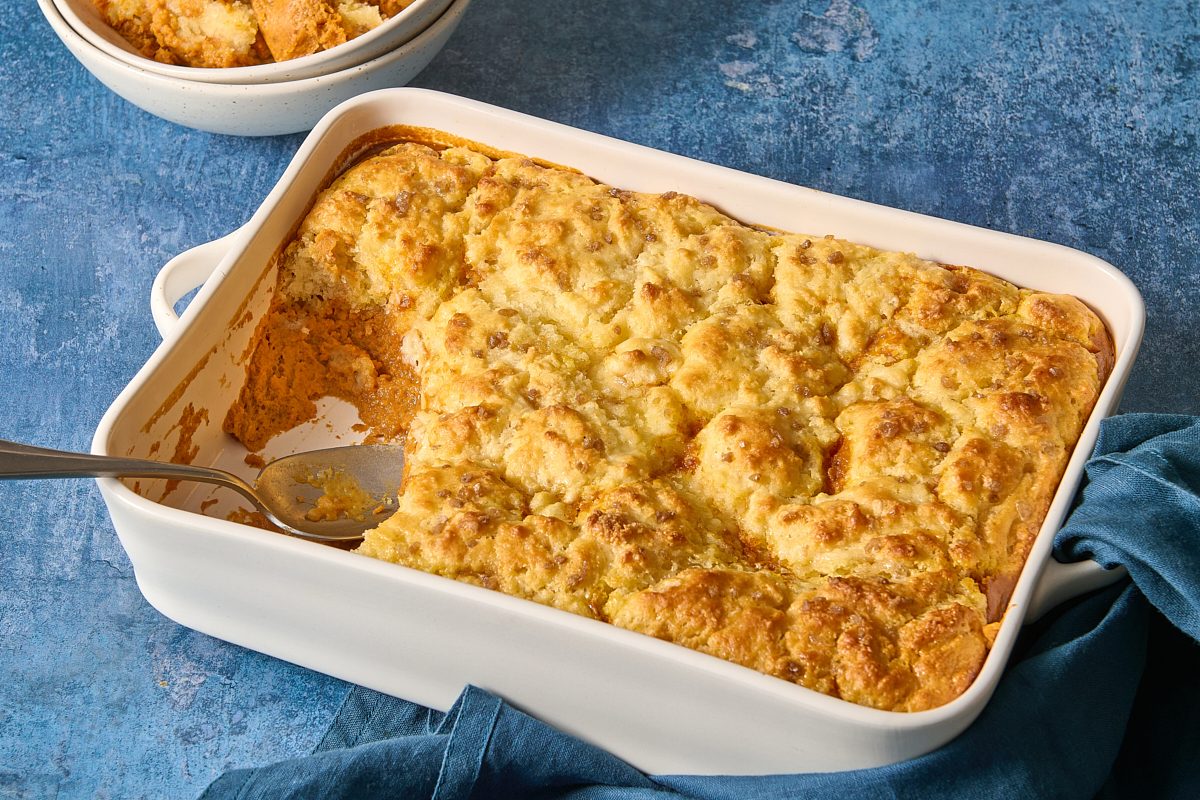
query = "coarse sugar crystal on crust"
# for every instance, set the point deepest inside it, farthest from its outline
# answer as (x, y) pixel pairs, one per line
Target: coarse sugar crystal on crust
(811, 457)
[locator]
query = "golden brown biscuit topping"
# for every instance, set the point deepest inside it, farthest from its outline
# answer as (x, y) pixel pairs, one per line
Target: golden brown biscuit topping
(817, 459)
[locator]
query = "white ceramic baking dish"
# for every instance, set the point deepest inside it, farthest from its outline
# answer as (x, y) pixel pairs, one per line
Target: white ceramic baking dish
(662, 707)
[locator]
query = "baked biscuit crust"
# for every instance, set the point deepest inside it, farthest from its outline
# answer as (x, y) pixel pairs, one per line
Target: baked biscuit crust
(814, 458)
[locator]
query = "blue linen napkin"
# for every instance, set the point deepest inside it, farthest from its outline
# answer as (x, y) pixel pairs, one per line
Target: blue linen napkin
(1101, 697)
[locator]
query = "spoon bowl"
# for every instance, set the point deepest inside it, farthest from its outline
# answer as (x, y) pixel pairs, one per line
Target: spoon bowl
(336, 494)
(331, 495)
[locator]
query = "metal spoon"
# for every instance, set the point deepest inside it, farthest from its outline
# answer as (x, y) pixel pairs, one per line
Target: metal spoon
(286, 489)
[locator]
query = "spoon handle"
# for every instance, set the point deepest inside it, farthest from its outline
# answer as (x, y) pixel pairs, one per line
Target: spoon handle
(27, 461)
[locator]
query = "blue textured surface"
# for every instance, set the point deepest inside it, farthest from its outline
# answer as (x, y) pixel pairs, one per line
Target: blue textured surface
(1069, 121)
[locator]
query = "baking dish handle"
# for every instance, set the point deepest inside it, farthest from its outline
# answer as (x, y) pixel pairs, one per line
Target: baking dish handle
(1060, 582)
(183, 273)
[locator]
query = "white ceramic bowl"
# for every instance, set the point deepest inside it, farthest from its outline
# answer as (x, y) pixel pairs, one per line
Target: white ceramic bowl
(86, 20)
(660, 706)
(255, 109)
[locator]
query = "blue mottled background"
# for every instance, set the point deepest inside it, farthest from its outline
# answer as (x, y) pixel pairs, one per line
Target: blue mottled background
(1071, 121)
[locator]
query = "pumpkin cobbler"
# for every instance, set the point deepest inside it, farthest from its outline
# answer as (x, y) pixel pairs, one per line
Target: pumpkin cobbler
(804, 455)
(241, 33)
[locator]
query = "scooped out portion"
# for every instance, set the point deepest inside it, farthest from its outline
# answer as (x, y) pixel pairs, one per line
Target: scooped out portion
(242, 33)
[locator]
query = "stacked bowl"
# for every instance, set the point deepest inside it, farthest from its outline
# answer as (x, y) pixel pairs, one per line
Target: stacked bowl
(263, 100)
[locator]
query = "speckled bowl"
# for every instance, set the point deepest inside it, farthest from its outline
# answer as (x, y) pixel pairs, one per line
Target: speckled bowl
(83, 17)
(266, 109)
